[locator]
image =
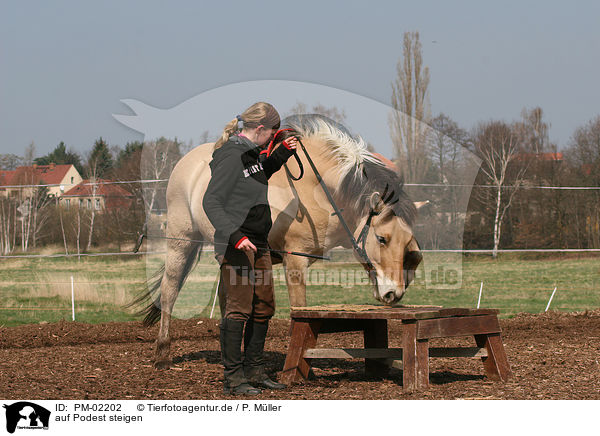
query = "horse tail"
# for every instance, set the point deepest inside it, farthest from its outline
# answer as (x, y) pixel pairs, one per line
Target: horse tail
(150, 293)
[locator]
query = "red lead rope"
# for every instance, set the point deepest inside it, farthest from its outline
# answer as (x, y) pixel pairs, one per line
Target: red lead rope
(274, 141)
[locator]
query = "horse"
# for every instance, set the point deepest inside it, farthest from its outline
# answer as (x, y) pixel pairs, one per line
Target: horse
(303, 219)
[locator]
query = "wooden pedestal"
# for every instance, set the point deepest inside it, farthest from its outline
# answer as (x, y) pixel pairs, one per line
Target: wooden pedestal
(418, 326)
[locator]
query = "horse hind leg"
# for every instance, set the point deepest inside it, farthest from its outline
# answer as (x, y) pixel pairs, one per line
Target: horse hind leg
(181, 258)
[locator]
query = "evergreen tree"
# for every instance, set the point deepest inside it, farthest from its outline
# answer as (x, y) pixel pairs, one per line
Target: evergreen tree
(130, 149)
(61, 156)
(101, 160)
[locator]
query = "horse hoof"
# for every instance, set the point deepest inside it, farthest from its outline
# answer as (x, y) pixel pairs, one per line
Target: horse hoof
(162, 364)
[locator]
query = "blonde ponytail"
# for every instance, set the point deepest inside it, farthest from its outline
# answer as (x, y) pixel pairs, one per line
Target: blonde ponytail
(230, 129)
(260, 113)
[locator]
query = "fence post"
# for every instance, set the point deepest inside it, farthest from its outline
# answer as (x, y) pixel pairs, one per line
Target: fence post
(550, 300)
(72, 298)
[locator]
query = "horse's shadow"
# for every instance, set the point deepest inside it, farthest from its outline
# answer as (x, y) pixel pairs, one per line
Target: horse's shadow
(274, 359)
(353, 370)
(210, 356)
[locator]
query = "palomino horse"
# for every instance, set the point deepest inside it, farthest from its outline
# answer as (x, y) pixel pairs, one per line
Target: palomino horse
(302, 218)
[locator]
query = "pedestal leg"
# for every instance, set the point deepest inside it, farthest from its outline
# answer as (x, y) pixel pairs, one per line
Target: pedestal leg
(376, 336)
(415, 358)
(496, 363)
(304, 335)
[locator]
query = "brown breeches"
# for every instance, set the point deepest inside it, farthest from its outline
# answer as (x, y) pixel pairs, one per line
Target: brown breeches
(246, 285)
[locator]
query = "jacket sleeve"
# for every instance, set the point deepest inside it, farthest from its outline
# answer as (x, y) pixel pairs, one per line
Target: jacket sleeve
(225, 167)
(275, 161)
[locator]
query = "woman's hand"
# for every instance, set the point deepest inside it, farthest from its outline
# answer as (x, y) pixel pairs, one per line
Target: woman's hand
(247, 246)
(291, 142)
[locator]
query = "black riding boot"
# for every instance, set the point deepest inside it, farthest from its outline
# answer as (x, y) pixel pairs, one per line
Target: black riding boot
(232, 331)
(254, 344)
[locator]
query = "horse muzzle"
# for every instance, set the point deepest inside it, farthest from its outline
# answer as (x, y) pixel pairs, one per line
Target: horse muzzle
(392, 297)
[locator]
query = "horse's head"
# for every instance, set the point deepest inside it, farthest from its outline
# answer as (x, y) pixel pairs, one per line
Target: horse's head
(391, 247)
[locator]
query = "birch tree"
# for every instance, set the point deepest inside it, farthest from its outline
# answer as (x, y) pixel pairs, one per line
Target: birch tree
(93, 180)
(497, 145)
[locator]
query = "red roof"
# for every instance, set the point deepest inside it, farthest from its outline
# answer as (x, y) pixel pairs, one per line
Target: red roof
(115, 197)
(37, 174)
(103, 189)
(540, 156)
(5, 177)
(384, 160)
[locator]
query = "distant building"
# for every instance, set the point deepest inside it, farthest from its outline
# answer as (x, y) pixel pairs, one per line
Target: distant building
(106, 196)
(384, 160)
(545, 157)
(17, 183)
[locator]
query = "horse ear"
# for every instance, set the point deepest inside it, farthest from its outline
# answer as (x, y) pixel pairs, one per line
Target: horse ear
(376, 202)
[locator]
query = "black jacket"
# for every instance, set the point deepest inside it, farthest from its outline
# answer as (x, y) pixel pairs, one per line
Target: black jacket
(236, 200)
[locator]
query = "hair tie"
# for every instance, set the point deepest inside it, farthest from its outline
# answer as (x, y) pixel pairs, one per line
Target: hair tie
(239, 117)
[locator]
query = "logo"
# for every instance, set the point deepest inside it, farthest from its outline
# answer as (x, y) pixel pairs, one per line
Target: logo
(253, 169)
(26, 415)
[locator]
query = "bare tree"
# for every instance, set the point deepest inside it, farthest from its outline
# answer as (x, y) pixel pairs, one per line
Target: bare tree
(497, 145)
(29, 154)
(157, 161)
(40, 209)
(93, 180)
(533, 130)
(449, 167)
(8, 225)
(333, 112)
(411, 110)
(447, 140)
(26, 193)
(584, 156)
(76, 226)
(62, 226)
(10, 162)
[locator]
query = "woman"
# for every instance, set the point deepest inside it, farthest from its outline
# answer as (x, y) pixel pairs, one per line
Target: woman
(237, 206)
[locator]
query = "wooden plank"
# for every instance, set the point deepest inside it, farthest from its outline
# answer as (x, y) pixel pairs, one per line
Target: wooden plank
(412, 374)
(376, 336)
(422, 364)
(457, 326)
(472, 352)
(296, 366)
(495, 363)
(371, 314)
(409, 358)
(354, 353)
(391, 313)
(391, 353)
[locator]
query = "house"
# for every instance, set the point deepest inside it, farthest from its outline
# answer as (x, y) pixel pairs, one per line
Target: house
(543, 157)
(18, 182)
(101, 195)
(384, 160)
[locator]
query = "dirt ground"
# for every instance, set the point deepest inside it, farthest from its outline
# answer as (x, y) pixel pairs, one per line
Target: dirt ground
(552, 356)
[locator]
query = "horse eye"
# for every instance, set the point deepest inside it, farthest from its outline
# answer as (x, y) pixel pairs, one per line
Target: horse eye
(380, 239)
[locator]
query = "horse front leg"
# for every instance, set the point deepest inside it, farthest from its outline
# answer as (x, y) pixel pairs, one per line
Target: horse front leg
(295, 276)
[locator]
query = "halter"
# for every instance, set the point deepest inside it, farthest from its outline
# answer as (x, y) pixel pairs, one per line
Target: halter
(372, 212)
(358, 249)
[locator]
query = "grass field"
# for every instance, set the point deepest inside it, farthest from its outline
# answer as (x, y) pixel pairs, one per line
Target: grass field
(34, 290)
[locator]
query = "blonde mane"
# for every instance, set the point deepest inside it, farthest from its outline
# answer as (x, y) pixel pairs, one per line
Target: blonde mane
(348, 151)
(360, 172)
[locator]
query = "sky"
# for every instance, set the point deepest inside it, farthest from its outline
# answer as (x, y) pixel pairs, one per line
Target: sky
(65, 66)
